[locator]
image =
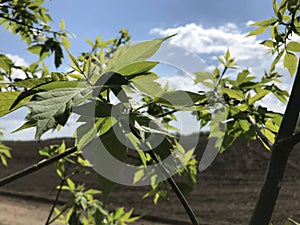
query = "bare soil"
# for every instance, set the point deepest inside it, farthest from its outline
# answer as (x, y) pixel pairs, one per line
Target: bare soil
(225, 193)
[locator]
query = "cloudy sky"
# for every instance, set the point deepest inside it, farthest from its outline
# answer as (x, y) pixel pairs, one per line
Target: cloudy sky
(205, 28)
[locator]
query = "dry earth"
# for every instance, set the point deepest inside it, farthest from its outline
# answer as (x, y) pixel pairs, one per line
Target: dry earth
(225, 193)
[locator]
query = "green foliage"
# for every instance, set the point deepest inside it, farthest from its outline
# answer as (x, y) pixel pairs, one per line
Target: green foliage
(31, 22)
(52, 100)
(4, 153)
(283, 26)
(84, 209)
(7, 100)
(126, 55)
(112, 88)
(240, 97)
(53, 107)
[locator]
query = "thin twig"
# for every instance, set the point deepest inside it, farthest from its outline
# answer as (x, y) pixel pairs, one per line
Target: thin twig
(55, 202)
(32, 28)
(262, 137)
(174, 186)
(36, 167)
(177, 191)
(220, 78)
(61, 213)
(57, 195)
(167, 113)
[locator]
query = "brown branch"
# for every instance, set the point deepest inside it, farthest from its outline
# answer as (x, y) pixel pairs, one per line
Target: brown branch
(36, 167)
(32, 28)
(262, 137)
(281, 150)
(173, 185)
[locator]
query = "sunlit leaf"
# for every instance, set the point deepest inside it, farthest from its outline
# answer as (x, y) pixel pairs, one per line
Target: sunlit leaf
(260, 93)
(127, 55)
(290, 62)
(293, 46)
(179, 98)
(30, 83)
(4, 153)
(147, 84)
(137, 68)
(233, 93)
(62, 24)
(74, 63)
(265, 23)
(48, 109)
(7, 100)
(257, 31)
(268, 43)
(276, 60)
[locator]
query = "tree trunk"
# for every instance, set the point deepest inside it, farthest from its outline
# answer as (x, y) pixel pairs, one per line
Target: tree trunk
(280, 153)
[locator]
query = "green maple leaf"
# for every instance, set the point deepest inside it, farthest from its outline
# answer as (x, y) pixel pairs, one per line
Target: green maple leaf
(48, 109)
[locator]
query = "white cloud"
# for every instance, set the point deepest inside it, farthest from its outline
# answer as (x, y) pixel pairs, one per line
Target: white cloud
(215, 41)
(18, 61)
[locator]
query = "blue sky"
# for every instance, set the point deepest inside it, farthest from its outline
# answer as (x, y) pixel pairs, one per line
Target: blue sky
(93, 17)
(206, 28)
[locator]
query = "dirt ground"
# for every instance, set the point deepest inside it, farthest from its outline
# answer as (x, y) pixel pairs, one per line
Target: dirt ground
(225, 193)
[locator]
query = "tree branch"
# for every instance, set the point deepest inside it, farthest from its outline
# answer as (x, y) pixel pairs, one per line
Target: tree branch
(55, 201)
(32, 28)
(177, 191)
(262, 137)
(281, 150)
(36, 167)
(174, 186)
(63, 179)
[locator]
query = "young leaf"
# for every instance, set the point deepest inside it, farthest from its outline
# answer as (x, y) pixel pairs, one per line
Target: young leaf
(260, 93)
(293, 46)
(179, 98)
(74, 63)
(275, 6)
(257, 31)
(30, 83)
(265, 23)
(62, 24)
(127, 55)
(276, 60)
(36, 49)
(290, 62)
(85, 133)
(227, 55)
(4, 153)
(137, 68)
(147, 84)
(138, 176)
(268, 43)
(233, 93)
